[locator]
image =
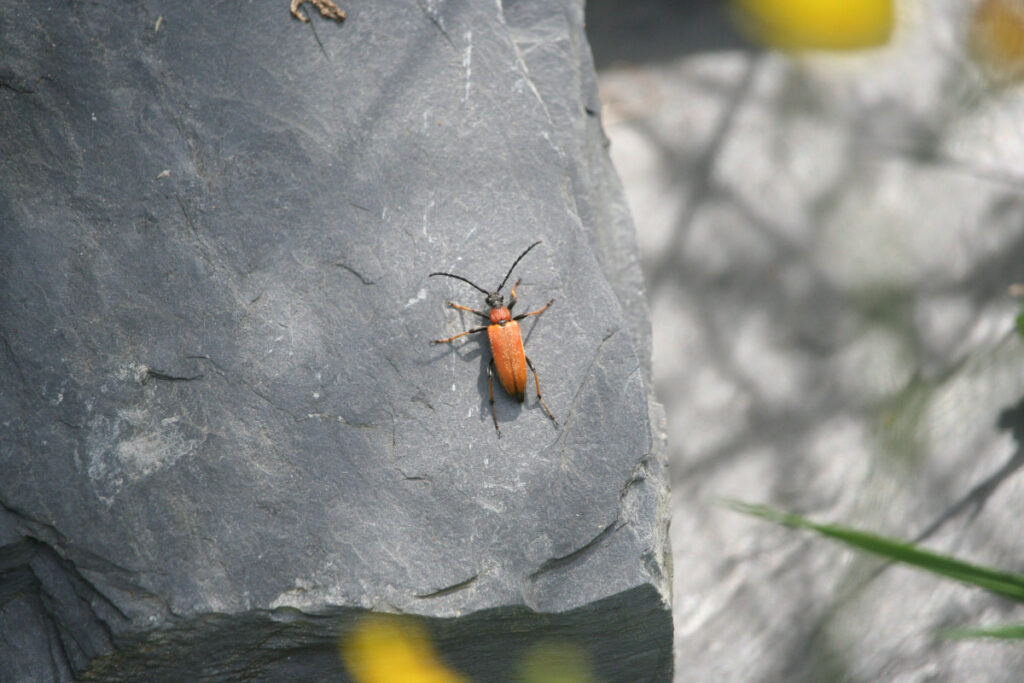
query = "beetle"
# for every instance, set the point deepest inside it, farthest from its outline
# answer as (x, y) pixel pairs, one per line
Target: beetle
(508, 358)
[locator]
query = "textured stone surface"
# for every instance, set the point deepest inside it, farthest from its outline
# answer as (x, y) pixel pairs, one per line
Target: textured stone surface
(828, 240)
(224, 433)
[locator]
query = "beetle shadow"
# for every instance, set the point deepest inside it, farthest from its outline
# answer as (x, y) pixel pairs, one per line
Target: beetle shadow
(478, 346)
(530, 399)
(506, 407)
(529, 333)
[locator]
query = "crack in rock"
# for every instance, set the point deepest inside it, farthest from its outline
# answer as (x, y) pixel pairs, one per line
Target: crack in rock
(589, 547)
(448, 590)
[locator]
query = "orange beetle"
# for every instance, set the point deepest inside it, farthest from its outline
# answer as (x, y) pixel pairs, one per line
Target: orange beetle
(508, 358)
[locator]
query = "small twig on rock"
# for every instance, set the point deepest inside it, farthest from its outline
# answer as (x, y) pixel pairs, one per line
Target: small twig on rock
(327, 9)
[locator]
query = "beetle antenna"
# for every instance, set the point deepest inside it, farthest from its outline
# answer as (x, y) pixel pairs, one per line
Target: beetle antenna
(516, 263)
(459, 277)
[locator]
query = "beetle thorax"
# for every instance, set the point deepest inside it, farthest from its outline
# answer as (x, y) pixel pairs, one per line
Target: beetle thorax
(500, 315)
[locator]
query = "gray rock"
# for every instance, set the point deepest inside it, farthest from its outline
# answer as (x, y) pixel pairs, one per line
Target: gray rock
(224, 435)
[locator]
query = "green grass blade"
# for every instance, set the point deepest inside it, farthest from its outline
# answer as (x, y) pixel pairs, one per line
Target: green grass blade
(994, 580)
(1009, 632)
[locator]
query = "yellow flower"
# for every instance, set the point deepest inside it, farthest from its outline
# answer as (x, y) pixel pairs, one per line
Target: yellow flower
(817, 24)
(996, 39)
(390, 649)
(553, 661)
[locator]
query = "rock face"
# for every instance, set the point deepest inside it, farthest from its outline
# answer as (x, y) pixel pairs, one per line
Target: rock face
(224, 434)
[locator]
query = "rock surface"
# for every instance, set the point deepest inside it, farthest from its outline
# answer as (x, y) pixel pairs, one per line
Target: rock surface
(224, 434)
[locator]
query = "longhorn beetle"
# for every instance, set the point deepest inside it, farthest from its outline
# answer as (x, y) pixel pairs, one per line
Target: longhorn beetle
(508, 358)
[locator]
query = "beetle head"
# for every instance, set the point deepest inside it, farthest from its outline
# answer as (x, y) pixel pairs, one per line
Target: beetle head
(495, 300)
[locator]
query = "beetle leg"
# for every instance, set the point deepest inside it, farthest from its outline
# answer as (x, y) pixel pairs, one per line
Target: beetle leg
(464, 308)
(536, 383)
(490, 394)
(537, 312)
(460, 334)
(514, 297)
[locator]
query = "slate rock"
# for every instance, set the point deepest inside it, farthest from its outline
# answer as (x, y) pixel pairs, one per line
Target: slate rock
(224, 435)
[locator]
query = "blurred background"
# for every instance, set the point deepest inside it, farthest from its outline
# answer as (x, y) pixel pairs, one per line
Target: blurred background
(829, 201)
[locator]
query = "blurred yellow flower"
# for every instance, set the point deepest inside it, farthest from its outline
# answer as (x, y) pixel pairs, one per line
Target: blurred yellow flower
(996, 39)
(555, 662)
(391, 649)
(817, 24)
